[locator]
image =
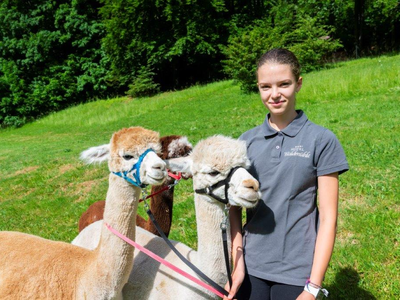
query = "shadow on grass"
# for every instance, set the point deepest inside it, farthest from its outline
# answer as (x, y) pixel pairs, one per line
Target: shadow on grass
(346, 286)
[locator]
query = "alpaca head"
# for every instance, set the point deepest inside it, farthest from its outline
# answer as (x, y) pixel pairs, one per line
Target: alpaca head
(212, 160)
(174, 146)
(126, 150)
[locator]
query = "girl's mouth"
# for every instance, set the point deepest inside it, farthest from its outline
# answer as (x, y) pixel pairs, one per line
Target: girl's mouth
(276, 103)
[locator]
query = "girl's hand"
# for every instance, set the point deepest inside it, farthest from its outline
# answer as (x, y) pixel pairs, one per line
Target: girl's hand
(305, 296)
(237, 279)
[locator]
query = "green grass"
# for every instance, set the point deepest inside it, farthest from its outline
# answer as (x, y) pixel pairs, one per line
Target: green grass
(44, 187)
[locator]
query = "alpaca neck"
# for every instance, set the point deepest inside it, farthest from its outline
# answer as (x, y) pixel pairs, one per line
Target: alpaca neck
(114, 259)
(210, 254)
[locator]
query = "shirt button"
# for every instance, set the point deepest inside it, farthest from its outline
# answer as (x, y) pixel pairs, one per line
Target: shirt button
(277, 147)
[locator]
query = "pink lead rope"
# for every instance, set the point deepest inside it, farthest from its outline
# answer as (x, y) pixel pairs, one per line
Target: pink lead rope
(163, 261)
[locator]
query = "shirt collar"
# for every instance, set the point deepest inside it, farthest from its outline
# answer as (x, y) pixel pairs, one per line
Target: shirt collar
(291, 130)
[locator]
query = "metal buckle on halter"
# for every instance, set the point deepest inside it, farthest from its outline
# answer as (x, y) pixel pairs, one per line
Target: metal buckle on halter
(208, 190)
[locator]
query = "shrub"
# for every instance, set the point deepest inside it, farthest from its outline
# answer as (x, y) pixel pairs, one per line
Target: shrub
(309, 40)
(143, 85)
(244, 50)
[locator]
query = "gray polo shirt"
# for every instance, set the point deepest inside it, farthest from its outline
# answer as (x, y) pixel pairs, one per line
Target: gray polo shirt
(280, 233)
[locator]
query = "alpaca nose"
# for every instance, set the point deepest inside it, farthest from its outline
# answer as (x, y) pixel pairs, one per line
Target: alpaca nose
(251, 184)
(159, 166)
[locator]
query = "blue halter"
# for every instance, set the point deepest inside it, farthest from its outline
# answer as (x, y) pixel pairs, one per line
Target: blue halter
(135, 171)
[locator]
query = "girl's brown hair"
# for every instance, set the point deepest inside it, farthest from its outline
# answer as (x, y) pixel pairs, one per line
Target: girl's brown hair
(283, 57)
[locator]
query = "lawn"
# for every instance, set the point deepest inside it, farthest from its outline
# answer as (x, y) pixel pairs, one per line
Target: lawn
(44, 187)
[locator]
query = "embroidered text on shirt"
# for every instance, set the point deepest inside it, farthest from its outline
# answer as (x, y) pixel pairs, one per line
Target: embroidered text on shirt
(298, 151)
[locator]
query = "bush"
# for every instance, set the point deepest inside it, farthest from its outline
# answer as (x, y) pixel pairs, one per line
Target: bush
(310, 41)
(144, 85)
(244, 50)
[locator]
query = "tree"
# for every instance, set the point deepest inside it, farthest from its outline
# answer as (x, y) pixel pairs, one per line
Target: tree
(288, 27)
(180, 41)
(50, 57)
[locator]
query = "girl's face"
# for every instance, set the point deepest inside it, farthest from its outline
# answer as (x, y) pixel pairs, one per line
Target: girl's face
(278, 87)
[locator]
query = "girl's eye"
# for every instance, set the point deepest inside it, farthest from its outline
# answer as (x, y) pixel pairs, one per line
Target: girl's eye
(127, 157)
(214, 173)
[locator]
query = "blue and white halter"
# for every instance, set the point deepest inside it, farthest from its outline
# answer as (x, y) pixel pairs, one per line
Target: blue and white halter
(134, 171)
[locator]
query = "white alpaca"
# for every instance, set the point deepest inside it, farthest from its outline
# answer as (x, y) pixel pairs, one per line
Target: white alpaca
(35, 268)
(210, 162)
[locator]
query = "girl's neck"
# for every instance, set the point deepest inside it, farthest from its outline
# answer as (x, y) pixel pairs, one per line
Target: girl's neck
(280, 122)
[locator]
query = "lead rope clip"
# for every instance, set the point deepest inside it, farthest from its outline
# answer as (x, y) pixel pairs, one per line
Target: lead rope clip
(144, 197)
(224, 223)
(173, 184)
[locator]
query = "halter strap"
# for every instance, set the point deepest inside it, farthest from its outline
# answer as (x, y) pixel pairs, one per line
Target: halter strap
(135, 171)
(225, 182)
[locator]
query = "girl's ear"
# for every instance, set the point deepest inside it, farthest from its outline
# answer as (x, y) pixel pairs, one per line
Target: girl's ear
(97, 154)
(299, 84)
(180, 164)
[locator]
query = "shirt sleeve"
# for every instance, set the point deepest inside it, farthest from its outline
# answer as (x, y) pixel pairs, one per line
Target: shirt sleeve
(330, 156)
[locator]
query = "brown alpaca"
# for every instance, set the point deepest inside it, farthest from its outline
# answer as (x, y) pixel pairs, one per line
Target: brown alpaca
(94, 213)
(172, 146)
(35, 268)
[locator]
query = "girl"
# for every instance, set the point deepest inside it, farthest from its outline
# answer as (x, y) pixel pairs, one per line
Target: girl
(288, 240)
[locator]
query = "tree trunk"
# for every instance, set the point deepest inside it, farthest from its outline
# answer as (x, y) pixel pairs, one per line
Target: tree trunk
(359, 6)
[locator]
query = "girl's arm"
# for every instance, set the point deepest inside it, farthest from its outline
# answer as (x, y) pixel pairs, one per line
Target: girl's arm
(235, 217)
(328, 196)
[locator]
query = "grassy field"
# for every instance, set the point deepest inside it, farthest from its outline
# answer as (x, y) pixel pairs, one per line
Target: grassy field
(44, 187)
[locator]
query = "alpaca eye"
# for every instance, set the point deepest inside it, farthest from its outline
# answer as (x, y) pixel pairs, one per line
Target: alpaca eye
(214, 173)
(127, 157)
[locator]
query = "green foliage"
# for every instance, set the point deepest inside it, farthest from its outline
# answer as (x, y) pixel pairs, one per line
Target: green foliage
(143, 85)
(311, 42)
(50, 57)
(244, 50)
(303, 35)
(178, 40)
(381, 26)
(54, 54)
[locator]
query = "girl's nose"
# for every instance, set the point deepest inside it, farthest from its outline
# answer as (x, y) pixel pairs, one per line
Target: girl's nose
(275, 93)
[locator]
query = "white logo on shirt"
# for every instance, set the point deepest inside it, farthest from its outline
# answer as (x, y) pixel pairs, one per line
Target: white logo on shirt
(298, 151)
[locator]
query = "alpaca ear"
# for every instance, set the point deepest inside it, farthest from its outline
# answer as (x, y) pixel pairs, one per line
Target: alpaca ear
(180, 164)
(97, 154)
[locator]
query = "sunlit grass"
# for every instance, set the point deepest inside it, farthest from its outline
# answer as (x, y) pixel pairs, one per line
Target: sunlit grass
(358, 78)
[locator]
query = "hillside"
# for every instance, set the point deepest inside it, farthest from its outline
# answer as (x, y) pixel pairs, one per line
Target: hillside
(44, 187)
